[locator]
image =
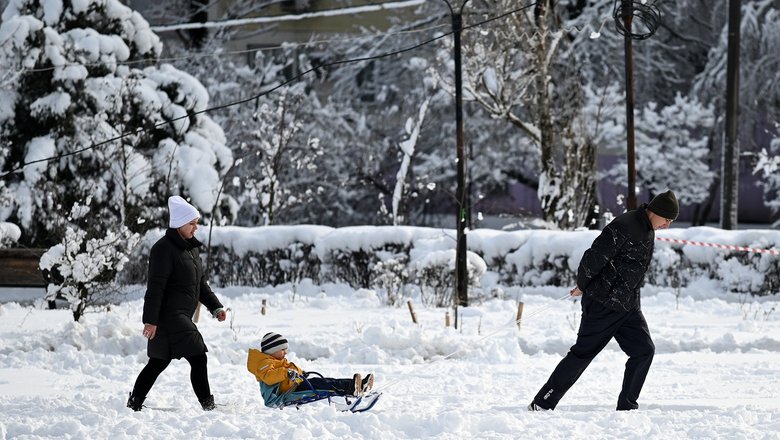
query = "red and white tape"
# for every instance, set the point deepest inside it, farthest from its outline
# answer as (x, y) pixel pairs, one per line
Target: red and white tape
(721, 246)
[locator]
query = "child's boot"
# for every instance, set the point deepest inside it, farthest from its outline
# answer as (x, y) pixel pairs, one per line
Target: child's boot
(368, 383)
(357, 385)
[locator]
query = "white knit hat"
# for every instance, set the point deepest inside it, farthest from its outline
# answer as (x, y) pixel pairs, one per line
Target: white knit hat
(181, 212)
(273, 342)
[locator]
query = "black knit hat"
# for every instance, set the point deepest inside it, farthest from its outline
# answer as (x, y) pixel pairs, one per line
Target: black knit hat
(665, 205)
(273, 342)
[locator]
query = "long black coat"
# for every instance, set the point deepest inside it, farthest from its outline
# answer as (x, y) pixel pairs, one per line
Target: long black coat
(613, 269)
(176, 283)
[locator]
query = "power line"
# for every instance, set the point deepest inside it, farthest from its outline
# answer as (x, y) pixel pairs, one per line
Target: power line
(293, 17)
(265, 93)
(206, 54)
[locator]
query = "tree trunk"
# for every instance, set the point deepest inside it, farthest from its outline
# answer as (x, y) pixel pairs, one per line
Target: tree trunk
(567, 191)
(549, 181)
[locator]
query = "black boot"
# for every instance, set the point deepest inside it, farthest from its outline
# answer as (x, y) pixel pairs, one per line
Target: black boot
(208, 403)
(135, 403)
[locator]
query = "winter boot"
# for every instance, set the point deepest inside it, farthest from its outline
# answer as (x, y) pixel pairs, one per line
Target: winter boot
(135, 403)
(368, 383)
(357, 385)
(534, 407)
(208, 403)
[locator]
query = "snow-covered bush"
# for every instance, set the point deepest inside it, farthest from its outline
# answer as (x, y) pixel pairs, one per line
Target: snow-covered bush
(350, 254)
(391, 277)
(356, 267)
(545, 257)
(9, 234)
(289, 264)
(82, 269)
(400, 260)
(736, 270)
(667, 269)
(434, 273)
(262, 256)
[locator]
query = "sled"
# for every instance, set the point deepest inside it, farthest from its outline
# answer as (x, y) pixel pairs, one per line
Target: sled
(273, 399)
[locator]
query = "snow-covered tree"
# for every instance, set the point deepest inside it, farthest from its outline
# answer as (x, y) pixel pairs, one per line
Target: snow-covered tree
(65, 124)
(407, 147)
(759, 62)
(768, 168)
(672, 150)
(759, 85)
(519, 70)
(283, 160)
(374, 99)
(82, 268)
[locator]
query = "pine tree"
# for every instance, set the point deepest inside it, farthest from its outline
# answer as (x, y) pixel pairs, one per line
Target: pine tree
(86, 73)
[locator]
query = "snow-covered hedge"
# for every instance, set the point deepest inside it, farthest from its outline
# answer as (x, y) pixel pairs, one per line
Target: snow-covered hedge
(9, 233)
(356, 255)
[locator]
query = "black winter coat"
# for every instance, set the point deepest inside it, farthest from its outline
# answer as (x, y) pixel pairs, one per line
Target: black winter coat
(176, 283)
(613, 269)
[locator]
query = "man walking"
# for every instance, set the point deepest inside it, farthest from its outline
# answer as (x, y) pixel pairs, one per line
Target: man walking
(608, 278)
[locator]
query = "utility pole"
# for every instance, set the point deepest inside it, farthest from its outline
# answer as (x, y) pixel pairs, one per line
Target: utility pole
(648, 18)
(628, 16)
(729, 201)
(462, 219)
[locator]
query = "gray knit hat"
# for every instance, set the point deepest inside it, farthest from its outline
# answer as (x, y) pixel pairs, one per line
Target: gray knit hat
(273, 342)
(665, 205)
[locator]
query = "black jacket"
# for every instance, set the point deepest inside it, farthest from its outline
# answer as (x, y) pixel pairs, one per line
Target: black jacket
(613, 269)
(176, 283)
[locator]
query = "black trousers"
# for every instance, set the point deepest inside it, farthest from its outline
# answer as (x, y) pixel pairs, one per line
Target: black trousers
(598, 326)
(198, 376)
(340, 387)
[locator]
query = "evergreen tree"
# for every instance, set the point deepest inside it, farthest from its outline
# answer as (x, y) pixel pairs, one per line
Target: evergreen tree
(85, 73)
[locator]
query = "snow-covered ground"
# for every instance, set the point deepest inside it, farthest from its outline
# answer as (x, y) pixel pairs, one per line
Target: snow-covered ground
(716, 373)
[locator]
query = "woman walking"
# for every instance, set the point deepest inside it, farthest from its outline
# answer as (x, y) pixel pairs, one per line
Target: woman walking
(175, 285)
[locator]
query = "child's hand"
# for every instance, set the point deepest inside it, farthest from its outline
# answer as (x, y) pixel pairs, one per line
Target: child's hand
(294, 376)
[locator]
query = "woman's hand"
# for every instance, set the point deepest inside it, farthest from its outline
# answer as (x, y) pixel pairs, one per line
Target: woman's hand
(149, 331)
(575, 291)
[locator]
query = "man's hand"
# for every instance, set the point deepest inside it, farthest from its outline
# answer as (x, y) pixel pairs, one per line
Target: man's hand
(575, 291)
(149, 331)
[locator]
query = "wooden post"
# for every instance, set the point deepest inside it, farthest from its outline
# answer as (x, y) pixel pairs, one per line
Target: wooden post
(411, 311)
(519, 314)
(447, 318)
(262, 308)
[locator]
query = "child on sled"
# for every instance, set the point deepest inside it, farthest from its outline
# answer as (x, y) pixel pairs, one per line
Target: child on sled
(283, 383)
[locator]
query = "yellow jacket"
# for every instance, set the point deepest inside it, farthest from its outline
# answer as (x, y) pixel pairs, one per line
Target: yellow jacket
(270, 370)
